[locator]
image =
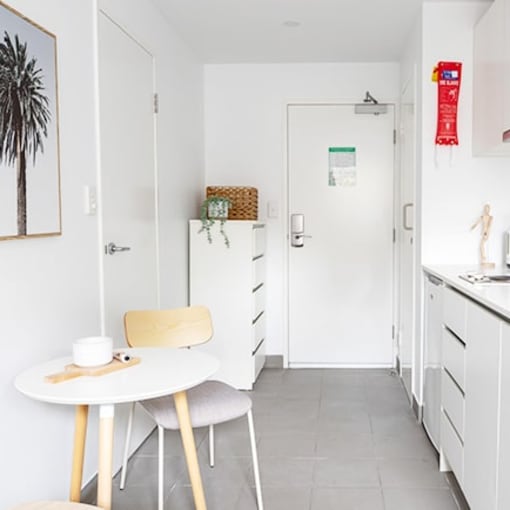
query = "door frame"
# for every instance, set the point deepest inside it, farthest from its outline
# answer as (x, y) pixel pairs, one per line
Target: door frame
(286, 223)
(408, 86)
(417, 347)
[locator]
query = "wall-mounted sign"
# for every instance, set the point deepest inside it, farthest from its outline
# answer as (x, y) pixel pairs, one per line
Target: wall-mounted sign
(342, 166)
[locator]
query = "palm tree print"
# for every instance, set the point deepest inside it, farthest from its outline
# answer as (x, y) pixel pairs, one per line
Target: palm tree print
(24, 115)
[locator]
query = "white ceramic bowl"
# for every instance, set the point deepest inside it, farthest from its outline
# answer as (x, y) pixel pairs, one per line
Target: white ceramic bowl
(92, 351)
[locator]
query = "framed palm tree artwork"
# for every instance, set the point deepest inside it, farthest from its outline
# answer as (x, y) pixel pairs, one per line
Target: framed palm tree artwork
(29, 146)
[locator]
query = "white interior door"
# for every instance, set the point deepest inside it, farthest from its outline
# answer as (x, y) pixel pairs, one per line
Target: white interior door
(127, 175)
(341, 168)
(406, 236)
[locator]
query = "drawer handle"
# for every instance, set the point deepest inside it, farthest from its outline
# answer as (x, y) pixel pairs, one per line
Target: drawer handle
(258, 317)
(258, 347)
(453, 427)
(259, 286)
(448, 373)
(454, 335)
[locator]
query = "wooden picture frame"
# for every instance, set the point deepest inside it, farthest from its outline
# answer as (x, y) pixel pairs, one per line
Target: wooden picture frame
(30, 201)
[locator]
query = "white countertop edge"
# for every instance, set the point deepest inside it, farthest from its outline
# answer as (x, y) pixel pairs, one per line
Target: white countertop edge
(495, 296)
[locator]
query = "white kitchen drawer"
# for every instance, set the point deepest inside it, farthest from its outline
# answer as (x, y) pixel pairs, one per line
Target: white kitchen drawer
(259, 271)
(452, 402)
(259, 240)
(259, 359)
(452, 448)
(258, 330)
(454, 358)
(259, 302)
(454, 312)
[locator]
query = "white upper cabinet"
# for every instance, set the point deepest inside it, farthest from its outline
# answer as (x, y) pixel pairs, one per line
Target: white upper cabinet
(491, 82)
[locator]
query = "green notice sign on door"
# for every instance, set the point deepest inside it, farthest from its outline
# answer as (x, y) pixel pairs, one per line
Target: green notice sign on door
(342, 166)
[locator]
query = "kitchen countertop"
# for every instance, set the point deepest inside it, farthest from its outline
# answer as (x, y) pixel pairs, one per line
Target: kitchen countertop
(493, 295)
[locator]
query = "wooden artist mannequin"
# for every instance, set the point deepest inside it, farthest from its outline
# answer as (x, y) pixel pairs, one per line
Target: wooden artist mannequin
(485, 220)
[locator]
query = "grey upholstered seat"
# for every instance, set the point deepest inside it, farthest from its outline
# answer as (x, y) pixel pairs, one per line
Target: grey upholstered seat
(209, 403)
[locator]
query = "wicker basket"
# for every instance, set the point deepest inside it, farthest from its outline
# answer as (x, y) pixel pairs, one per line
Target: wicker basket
(244, 200)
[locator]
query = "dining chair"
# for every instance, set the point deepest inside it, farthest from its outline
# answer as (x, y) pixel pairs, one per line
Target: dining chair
(210, 403)
(54, 505)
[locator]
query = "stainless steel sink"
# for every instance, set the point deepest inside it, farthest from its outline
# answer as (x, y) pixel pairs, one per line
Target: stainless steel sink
(485, 278)
(501, 278)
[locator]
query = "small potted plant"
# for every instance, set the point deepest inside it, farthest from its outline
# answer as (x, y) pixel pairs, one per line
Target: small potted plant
(214, 208)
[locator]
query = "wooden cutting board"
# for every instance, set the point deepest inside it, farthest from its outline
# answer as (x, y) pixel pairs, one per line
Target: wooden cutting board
(71, 371)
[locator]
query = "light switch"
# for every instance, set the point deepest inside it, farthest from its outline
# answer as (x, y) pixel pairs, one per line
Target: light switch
(273, 209)
(90, 200)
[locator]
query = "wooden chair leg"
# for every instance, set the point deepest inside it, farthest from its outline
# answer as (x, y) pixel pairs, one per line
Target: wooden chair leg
(80, 434)
(188, 443)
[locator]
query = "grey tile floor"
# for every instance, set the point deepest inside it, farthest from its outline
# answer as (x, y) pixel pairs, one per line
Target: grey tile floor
(327, 439)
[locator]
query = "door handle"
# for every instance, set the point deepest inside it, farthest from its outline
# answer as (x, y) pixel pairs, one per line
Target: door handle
(297, 230)
(405, 209)
(112, 248)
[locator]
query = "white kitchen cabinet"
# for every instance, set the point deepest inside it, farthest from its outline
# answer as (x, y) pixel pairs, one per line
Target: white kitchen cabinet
(503, 485)
(482, 400)
(475, 413)
(470, 396)
(491, 81)
(231, 282)
(453, 377)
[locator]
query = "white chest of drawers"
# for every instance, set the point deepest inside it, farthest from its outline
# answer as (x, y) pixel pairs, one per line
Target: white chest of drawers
(231, 283)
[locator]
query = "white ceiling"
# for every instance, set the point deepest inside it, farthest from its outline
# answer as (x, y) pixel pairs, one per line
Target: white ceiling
(234, 31)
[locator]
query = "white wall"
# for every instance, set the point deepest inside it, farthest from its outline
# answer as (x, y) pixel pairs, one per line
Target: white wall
(453, 195)
(245, 140)
(450, 195)
(50, 287)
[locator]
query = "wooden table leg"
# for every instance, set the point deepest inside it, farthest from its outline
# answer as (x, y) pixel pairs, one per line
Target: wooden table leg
(80, 434)
(188, 442)
(104, 475)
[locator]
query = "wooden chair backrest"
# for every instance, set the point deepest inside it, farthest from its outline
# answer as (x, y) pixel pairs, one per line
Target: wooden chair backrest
(178, 327)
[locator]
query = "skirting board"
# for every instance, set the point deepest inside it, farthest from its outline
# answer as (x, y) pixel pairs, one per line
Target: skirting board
(385, 366)
(417, 409)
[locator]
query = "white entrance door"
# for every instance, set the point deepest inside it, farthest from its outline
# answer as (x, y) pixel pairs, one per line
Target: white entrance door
(341, 280)
(127, 175)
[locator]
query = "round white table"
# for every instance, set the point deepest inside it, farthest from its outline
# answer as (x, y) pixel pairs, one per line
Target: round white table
(161, 371)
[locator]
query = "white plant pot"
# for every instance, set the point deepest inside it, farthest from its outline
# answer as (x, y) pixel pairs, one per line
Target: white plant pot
(218, 210)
